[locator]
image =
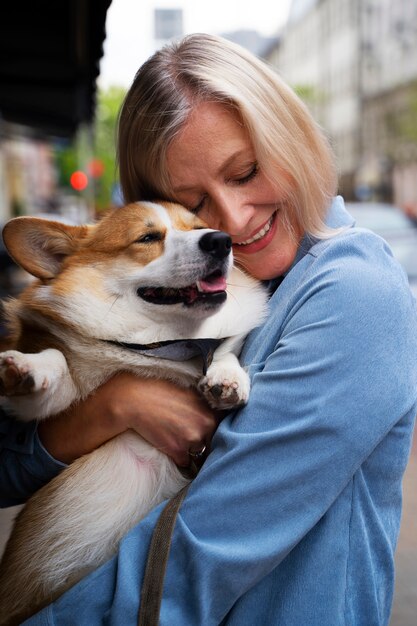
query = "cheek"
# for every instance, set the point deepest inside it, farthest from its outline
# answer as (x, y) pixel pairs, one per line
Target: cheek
(275, 259)
(209, 217)
(67, 284)
(278, 193)
(287, 238)
(284, 249)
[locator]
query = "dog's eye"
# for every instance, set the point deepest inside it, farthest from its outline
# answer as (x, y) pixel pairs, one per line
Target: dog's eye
(149, 238)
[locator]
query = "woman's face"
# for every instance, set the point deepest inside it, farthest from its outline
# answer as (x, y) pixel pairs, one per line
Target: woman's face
(214, 172)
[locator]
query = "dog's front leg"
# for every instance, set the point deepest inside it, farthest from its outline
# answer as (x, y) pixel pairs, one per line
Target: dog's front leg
(226, 384)
(36, 385)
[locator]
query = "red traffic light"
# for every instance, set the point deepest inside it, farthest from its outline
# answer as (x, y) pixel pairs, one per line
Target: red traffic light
(79, 180)
(96, 168)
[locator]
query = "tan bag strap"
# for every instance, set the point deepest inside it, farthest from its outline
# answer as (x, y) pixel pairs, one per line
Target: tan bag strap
(156, 564)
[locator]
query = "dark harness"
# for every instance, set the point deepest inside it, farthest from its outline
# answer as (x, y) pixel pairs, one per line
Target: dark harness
(176, 349)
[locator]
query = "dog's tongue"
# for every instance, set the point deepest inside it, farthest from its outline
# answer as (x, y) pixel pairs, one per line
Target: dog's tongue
(212, 284)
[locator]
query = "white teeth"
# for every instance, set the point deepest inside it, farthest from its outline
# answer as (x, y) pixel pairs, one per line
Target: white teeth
(259, 235)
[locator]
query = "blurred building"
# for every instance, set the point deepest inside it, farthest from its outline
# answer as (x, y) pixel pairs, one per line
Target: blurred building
(389, 94)
(29, 182)
(168, 25)
(253, 41)
(355, 64)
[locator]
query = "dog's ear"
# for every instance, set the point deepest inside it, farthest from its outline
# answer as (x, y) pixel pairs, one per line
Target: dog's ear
(40, 245)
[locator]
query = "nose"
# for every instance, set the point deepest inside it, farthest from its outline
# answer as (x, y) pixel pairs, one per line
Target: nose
(217, 244)
(229, 213)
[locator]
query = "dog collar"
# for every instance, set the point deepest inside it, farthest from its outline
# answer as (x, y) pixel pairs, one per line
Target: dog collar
(176, 349)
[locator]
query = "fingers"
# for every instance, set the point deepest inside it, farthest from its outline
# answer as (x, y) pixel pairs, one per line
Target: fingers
(173, 419)
(189, 440)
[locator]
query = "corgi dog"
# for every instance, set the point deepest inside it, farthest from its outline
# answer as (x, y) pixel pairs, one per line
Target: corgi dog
(147, 289)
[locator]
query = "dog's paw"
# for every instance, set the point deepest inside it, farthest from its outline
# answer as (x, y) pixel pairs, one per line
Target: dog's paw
(18, 376)
(225, 387)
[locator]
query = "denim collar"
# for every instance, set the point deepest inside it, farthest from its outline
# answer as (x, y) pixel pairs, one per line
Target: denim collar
(337, 217)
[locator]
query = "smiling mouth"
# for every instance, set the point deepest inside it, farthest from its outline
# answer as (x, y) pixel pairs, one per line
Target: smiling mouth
(259, 234)
(209, 290)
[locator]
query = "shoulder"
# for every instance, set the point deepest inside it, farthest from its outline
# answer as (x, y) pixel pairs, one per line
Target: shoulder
(350, 283)
(345, 312)
(354, 246)
(357, 264)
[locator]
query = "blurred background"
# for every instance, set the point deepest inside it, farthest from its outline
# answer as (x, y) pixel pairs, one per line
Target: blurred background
(65, 69)
(64, 73)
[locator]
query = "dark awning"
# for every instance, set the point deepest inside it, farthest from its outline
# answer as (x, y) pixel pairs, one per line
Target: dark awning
(49, 61)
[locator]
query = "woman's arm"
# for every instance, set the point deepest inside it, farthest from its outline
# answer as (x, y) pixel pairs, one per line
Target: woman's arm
(25, 465)
(172, 419)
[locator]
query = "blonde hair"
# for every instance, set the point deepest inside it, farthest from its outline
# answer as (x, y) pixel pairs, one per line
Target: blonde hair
(290, 147)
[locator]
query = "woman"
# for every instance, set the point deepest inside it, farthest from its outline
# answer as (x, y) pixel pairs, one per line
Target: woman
(294, 517)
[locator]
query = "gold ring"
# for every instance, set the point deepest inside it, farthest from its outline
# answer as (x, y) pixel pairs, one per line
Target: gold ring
(197, 454)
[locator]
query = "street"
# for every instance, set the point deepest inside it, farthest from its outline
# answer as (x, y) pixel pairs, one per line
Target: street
(405, 600)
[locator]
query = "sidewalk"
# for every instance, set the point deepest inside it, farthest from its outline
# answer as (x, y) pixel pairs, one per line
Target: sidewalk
(404, 611)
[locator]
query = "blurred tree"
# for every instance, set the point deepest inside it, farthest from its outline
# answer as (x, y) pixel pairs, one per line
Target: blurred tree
(103, 166)
(66, 161)
(309, 94)
(314, 98)
(100, 166)
(402, 122)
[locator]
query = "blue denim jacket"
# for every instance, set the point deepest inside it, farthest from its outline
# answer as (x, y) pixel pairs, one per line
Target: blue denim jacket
(294, 518)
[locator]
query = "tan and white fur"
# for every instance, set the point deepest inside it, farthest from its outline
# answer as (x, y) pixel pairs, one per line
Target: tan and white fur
(86, 294)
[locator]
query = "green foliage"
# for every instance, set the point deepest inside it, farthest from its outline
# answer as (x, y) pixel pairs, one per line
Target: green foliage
(402, 123)
(108, 106)
(75, 155)
(66, 162)
(309, 94)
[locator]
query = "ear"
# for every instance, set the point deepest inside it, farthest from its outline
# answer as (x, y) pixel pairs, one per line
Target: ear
(40, 246)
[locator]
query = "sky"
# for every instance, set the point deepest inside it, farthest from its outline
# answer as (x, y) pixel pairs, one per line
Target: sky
(129, 27)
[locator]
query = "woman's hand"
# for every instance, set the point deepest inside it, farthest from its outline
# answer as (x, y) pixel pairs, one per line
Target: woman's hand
(172, 419)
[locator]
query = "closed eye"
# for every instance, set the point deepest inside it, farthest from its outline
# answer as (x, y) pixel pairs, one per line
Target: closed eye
(150, 238)
(196, 209)
(247, 177)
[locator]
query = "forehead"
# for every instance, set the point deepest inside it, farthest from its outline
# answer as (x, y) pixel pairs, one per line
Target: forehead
(210, 136)
(209, 120)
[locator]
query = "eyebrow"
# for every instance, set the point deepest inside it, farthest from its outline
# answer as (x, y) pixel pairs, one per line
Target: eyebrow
(221, 169)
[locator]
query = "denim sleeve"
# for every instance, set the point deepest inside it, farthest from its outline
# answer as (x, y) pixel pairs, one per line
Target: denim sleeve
(25, 465)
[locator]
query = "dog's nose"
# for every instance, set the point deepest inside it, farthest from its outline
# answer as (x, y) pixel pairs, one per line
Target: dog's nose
(217, 244)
